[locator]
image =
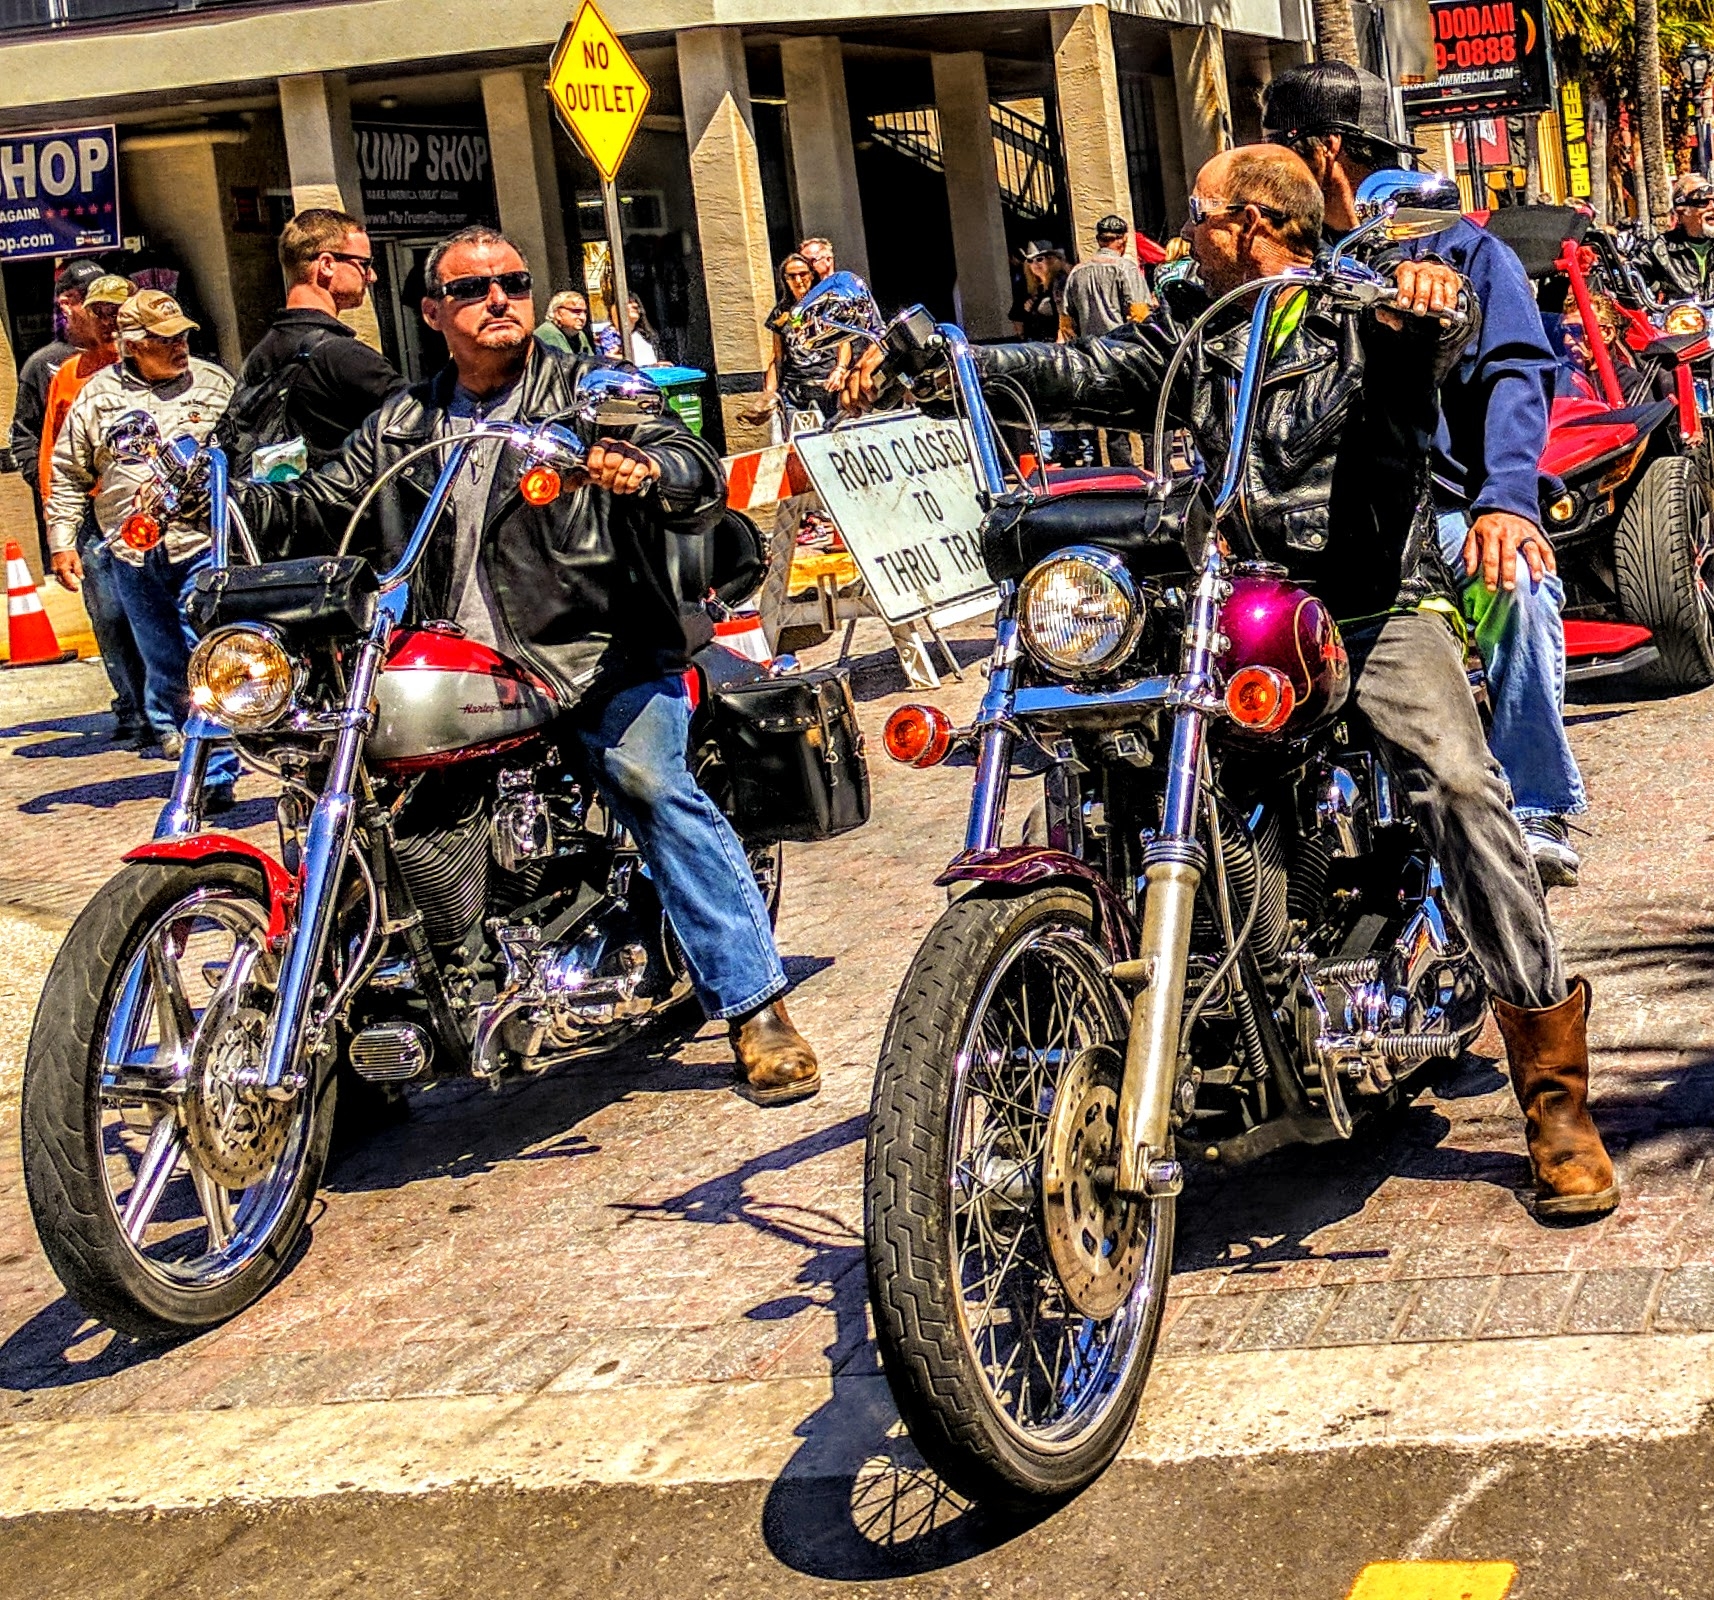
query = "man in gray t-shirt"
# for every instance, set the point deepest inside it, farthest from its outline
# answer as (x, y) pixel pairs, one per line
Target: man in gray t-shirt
(1103, 293)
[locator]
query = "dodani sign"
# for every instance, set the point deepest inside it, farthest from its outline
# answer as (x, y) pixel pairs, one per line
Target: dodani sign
(902, 491)
(1491, 60)
(59, 193)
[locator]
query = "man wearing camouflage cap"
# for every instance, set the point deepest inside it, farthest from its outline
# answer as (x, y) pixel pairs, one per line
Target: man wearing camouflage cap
(185, 395)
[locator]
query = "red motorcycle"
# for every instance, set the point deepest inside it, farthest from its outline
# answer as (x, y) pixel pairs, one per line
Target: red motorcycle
(1625, 496)
(450, 896)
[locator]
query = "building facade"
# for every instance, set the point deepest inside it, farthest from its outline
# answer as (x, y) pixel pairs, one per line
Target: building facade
(928, 139)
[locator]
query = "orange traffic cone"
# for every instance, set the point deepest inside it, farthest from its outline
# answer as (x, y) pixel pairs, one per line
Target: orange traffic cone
(30, 635)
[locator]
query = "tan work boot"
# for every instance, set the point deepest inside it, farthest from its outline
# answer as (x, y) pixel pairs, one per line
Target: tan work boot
(1548, 1048)
(776, 1060)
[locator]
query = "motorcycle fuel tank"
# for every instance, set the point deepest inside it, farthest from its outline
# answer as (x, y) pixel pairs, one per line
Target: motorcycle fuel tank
(443, 697)
(1271, 622)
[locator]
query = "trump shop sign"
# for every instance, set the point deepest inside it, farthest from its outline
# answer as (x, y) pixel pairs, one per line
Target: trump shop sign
(1490, 60)
(59, 193)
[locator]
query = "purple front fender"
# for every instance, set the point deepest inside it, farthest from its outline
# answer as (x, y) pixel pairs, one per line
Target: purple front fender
(1023, 866)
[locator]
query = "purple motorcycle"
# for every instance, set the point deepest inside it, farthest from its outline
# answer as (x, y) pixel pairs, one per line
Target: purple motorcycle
(1220, 935)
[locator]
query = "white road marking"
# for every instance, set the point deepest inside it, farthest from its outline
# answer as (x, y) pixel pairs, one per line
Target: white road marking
(1423, 1545)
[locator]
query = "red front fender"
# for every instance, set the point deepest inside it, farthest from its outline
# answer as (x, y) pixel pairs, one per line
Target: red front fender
(1021, 866)
(281, 887)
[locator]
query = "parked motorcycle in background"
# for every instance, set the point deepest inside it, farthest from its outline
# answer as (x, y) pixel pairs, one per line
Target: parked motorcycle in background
(1230, 939)
(450, 896)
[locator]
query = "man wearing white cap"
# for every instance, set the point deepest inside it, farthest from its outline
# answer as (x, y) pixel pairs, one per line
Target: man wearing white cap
(185, 395)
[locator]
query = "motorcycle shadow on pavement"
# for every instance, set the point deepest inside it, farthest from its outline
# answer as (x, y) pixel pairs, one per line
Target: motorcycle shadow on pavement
(856, 1501)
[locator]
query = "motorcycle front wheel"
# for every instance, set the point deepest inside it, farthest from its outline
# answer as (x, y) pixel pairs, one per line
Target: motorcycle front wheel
(167, 1195)
(1016, 1308)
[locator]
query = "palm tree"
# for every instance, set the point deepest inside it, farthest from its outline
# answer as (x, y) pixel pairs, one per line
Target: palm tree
(1648, 111)
(1335, 37)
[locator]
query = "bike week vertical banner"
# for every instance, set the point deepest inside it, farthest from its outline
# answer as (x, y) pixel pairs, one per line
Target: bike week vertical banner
(1491, 61)
(59, 193)
(1575, 128)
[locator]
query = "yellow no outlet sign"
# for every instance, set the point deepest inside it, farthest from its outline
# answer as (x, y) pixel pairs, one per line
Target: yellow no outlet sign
(597, 89)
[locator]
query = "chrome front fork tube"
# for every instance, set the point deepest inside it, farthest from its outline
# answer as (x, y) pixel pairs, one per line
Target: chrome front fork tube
(327, 840)
(182, 814)
(1173, 864)
(994, 750)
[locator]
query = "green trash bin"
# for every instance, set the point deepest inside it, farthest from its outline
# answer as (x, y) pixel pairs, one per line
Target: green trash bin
(683, 386)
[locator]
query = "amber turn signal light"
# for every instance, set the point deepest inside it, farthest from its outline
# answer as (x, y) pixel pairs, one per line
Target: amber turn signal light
(1260, 699)
(919, 736)
(140, 531)
(540, 486)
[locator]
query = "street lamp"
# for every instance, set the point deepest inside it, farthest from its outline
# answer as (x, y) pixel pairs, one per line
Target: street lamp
(1695, 62)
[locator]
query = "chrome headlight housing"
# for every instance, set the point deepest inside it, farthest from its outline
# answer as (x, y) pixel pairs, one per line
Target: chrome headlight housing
(1686, 317)
(242, 677)
(1079, 612)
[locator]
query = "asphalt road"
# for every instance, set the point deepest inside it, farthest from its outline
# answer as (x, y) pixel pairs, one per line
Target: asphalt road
(1599, 1522)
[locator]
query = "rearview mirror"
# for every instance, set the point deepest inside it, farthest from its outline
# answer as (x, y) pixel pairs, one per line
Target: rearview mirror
(607, 397)
(134, 436)
(1408, 205)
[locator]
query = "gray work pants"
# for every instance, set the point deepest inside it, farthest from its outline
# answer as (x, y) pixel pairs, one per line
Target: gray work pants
(1408, 681)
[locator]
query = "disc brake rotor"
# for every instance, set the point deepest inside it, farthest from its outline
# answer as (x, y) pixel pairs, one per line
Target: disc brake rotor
(234, 1134)
(1097, 1240)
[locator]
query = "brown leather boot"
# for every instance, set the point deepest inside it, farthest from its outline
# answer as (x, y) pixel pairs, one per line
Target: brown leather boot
(776, 1060)
(1548, 1049)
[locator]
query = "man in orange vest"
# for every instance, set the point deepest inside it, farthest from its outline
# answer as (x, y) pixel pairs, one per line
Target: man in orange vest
(92, 328)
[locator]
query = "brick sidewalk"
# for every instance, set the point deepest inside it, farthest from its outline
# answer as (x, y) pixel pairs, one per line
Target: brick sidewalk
(628, 1220)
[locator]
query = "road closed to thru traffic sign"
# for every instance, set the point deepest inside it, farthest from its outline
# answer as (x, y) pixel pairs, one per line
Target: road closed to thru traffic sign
(902, 491)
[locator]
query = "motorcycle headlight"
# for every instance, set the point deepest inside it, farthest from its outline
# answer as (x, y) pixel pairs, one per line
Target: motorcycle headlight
(1686, 318)
(241, 677)
(1079, 613)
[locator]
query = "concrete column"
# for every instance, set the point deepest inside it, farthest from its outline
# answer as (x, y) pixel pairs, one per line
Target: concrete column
(526, 181)
(321, 154)
(1249, 70)
(1175, 181)
(1204, 106)
(973, 192)
(178, 199)
(1091, 124)
(731, 220)
(824, 165)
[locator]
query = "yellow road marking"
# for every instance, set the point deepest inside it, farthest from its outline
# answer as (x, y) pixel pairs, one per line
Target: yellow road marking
(1434, 1580)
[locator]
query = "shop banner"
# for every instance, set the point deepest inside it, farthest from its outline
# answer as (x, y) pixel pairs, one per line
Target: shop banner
(59, 193)
(1490, 60)
(419, 179)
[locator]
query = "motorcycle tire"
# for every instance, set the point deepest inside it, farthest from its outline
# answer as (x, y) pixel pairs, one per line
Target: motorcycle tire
(976, 1427)
(80, 1123)
(1662, 551)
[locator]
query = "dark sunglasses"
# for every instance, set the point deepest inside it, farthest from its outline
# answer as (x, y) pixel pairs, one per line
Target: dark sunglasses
(514, 285)
(1201, 210)
(1695, 202)
(367, 263)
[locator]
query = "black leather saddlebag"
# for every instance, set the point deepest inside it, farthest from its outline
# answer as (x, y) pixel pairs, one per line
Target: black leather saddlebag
(318, 597)
(793, 754)
(1156, 535)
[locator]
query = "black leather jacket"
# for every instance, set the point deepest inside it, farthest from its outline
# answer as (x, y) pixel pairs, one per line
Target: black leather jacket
(593, 587)
(1336, 487)
(1672, 266)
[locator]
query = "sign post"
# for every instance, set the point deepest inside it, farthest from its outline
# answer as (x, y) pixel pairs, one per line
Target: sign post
(600, 97)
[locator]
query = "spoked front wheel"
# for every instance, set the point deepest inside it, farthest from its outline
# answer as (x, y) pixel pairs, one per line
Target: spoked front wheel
(1017, 1300)
(166, 1191)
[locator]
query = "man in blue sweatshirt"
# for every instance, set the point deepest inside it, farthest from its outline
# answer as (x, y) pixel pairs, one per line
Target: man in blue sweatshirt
(1493, 428)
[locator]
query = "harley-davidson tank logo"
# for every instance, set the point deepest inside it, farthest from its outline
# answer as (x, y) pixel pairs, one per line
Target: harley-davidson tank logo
(483, 710)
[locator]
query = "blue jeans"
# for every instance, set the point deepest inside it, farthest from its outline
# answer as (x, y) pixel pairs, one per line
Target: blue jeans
(109, 624)
(636, 744)
(1521, 640)
(153, 595)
